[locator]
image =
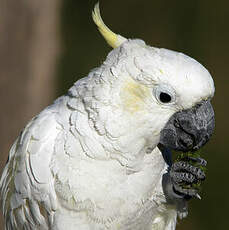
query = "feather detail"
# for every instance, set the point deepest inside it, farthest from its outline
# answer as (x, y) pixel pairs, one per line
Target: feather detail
(114, 40)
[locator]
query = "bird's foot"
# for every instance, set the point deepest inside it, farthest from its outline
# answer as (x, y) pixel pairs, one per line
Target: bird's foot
(186, 176)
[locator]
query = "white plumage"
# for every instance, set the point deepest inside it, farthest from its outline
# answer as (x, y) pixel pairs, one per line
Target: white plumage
(84, 162)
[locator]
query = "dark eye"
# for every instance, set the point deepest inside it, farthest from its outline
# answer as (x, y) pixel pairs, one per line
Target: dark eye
(164, 97)
(165, 94)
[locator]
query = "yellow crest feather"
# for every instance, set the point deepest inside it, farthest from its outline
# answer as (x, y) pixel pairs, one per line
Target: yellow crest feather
(114, 40)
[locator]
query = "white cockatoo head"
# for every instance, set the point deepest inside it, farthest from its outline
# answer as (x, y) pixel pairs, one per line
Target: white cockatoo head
(162, 96)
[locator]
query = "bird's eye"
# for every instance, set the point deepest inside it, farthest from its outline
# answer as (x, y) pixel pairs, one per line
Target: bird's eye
(165, 97)
(164, 94)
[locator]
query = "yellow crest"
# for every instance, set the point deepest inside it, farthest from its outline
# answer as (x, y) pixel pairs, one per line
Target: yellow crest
(114, 40)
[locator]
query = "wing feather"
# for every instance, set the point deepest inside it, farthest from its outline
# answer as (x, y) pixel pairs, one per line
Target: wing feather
(27, 189)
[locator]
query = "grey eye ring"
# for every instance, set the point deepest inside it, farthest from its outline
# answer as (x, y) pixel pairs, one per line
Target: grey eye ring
(164, 94)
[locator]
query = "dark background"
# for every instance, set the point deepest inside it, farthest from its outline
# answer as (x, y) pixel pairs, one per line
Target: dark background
(45, 46)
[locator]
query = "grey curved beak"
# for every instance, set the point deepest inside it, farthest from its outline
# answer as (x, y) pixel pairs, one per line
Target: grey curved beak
(190, 129)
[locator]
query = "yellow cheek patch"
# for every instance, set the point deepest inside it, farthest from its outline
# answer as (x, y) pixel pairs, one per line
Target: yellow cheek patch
(134, 95)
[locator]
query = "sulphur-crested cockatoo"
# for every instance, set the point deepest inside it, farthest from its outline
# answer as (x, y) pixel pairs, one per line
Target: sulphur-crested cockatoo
(98, 158)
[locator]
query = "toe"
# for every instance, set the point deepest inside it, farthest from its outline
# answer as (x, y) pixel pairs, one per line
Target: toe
(198, 160)
(183, 166)
(179, 177)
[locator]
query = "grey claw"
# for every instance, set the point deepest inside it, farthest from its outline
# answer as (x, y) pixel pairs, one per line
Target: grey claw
(182, 215)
